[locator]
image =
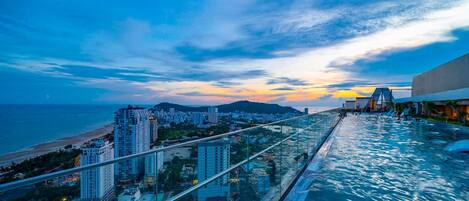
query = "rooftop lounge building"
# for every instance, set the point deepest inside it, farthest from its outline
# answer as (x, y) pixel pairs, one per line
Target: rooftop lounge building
(442, 91)
(381, 100)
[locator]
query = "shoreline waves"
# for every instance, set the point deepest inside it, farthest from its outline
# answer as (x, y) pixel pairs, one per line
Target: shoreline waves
(54, 145)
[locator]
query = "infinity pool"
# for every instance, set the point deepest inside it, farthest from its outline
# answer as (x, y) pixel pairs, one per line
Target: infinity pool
(381, 158)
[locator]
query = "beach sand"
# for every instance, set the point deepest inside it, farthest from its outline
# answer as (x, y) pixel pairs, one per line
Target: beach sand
(52, 146)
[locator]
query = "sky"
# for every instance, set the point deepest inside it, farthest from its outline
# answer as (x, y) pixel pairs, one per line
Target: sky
(297, 53)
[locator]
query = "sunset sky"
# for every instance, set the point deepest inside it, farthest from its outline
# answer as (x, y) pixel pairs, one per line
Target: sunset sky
(299, 53)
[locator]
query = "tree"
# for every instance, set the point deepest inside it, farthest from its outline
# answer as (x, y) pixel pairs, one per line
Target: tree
(460, 115)
(429, 108)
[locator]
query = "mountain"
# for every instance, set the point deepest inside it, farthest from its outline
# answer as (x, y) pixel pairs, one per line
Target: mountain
(254, 107)
(240, 106)
(165, 106)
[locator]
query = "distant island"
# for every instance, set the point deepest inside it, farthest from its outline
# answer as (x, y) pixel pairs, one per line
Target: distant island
(238, 106)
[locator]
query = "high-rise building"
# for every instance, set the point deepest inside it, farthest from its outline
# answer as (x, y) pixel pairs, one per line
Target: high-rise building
(306, 110)
(97, 183)
(213, 158)
(198, 118)
(153, 128)
(131, 136)
(213, 115)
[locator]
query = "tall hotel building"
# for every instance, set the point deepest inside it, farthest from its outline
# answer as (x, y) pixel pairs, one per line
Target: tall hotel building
(97, 183)
(132, 134)
(213, 158)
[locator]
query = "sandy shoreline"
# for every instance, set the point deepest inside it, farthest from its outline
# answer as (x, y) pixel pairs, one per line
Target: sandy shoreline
(54, 145)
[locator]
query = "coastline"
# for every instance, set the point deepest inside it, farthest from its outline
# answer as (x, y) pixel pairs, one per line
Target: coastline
(55, 145)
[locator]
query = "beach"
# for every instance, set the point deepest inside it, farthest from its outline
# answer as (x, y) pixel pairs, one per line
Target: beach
(54, 145)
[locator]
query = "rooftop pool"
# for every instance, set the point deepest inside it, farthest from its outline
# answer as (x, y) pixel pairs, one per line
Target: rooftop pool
(373, 157)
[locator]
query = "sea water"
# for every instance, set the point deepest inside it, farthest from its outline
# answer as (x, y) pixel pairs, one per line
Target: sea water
(22, 126)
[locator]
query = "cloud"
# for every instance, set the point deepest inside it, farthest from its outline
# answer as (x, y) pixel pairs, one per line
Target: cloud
(433, 27)
(219, 75)
(141, 74)
(226, 84)
(323, 65)
(284, 89)
(92, 72)
(276, 29)
(275, 51)
(199, 94)
(242, 95)
(351, 84)
(130, 39)
(289, 81)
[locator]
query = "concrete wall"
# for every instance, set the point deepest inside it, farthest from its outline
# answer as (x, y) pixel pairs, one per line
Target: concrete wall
(449, 76)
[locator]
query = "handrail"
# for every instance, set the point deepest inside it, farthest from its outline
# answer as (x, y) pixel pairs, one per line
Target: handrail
(207, 181)
(36, 179)
(328, 136)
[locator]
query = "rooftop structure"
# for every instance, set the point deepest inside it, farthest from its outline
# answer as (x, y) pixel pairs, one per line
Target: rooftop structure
(450, 76)
(349, 105)
(442, 92)
(362, 103)
(381, 100)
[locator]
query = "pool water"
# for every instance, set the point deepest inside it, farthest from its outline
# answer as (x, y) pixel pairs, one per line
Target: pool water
(381, 158)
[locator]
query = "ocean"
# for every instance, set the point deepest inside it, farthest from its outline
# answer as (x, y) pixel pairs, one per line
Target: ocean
(22, 126)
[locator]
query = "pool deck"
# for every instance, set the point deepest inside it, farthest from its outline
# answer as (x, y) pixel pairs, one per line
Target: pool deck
(299, 191)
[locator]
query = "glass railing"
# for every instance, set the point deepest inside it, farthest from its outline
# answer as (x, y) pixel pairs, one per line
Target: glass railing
(257, 163)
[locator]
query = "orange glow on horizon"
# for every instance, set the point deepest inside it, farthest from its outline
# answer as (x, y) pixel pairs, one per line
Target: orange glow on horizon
(208, 92)
(345, 94)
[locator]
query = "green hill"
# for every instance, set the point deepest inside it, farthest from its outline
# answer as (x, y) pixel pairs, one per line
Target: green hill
(239, 106)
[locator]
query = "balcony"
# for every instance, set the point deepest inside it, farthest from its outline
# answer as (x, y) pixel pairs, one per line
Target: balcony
(257, 163)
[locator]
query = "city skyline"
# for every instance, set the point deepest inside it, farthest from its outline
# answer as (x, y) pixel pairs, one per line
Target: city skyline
(299, 54)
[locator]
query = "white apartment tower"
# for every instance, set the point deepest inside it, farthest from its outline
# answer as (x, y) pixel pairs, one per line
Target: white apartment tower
(97, 183)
